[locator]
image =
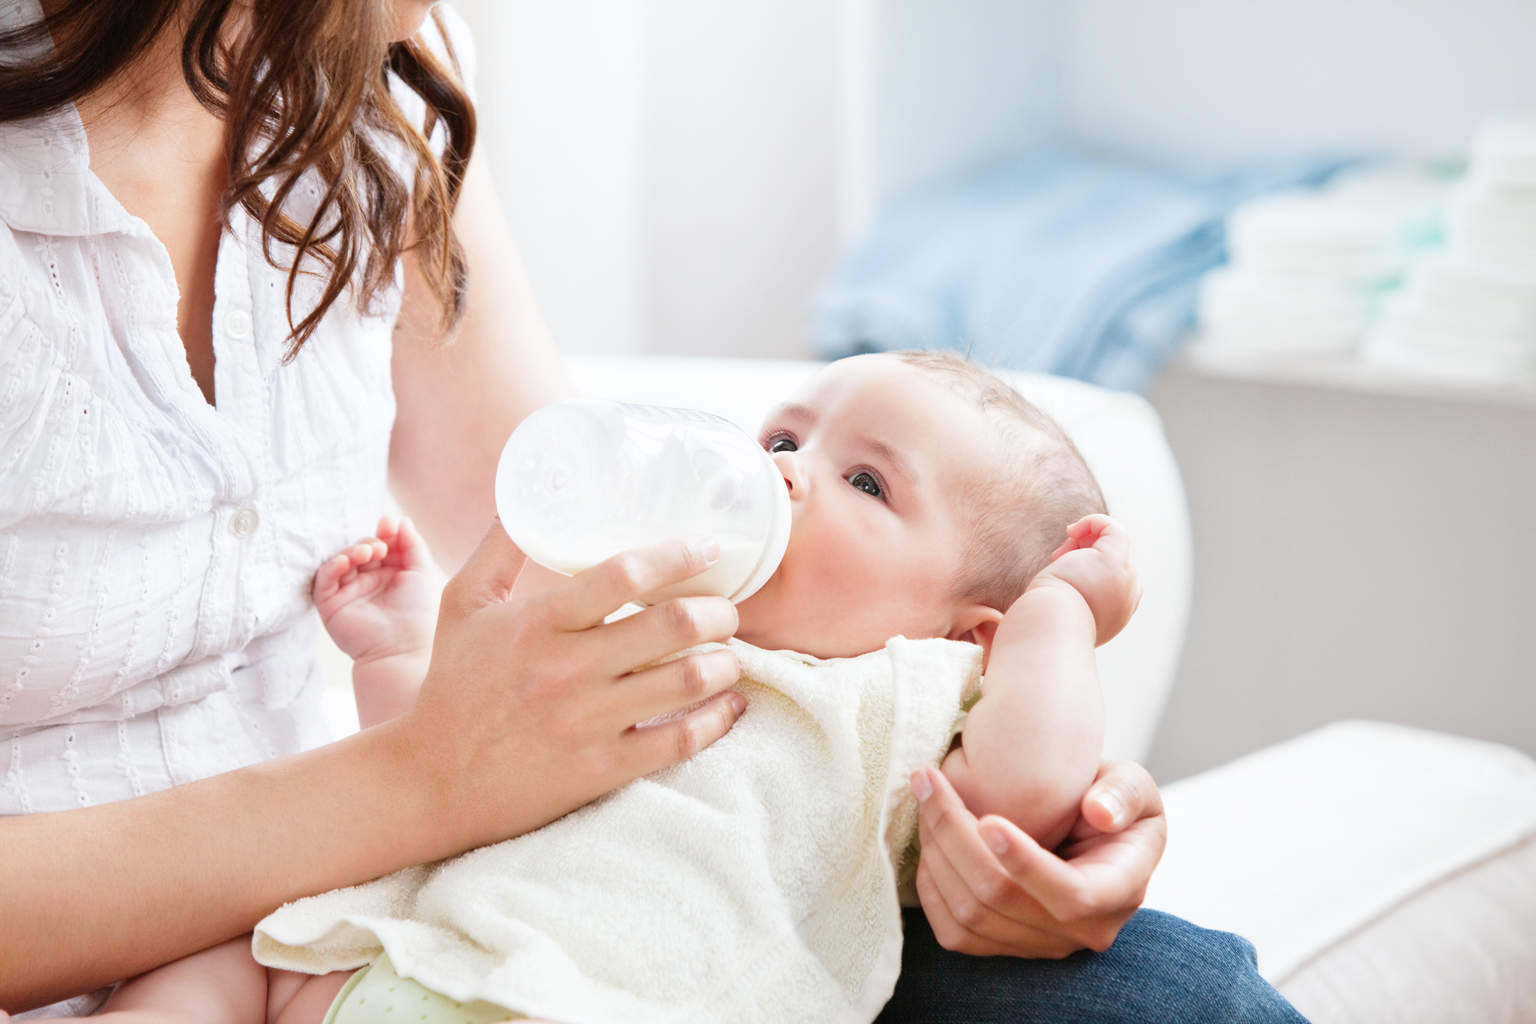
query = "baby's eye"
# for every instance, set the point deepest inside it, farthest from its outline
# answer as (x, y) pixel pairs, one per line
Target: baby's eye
(867, 482)
(780, 443)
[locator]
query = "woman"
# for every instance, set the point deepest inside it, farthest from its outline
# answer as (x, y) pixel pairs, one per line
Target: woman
(168, 484)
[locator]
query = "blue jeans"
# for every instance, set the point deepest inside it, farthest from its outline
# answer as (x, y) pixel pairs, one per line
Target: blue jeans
(1161, 968)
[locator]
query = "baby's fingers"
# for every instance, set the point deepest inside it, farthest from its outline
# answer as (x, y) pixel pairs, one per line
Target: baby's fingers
(328, 576)
(368, 552)
(406, 548)
(1082, 534)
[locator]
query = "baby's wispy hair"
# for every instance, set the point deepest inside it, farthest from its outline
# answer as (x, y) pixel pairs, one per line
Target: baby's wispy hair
(1020, 514)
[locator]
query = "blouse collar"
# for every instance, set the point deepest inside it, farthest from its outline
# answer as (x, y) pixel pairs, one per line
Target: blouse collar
(46, 184)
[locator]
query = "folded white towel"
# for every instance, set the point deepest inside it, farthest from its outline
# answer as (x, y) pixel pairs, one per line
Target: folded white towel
(755, 882)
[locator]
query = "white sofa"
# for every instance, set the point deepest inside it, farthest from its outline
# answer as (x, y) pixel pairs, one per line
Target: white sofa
(1383, 873)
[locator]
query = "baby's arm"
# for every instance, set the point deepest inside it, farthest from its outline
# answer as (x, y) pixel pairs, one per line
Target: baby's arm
(221, 985)
(378, 603)
(1031, 745)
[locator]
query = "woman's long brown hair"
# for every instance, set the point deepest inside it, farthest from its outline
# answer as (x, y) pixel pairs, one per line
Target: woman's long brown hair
(307, 91)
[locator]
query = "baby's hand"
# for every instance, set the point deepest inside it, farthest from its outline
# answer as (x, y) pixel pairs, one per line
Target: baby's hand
(376, 598)
(1095, 560)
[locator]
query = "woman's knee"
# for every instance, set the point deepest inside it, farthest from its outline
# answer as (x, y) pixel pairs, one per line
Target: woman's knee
(1161, 968)
(1199, 974)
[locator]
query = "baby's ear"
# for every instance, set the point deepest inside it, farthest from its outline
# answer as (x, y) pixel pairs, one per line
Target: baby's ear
(977, 624)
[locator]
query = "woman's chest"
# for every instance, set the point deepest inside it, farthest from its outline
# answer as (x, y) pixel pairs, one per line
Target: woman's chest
(142, 529)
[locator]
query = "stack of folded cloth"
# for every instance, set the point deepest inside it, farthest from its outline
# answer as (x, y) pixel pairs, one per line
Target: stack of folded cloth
(1054, 261)
(1309, 270)
(1471, 309)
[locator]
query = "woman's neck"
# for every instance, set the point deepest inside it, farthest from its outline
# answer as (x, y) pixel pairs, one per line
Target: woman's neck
(147, 105)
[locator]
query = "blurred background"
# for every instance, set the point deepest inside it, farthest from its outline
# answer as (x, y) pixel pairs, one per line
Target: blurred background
(1305, 231)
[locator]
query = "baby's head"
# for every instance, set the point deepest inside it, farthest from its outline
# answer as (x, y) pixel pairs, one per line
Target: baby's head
(926, 494)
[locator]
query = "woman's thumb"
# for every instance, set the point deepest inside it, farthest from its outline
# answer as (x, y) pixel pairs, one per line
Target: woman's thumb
(491, 570)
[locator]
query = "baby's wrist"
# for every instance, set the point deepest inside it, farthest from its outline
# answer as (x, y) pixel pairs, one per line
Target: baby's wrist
(1049, 587)
(390, 664)
(1047, 580)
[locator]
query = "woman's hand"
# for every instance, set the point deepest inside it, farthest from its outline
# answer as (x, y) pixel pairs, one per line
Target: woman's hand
(531, 703)
(989, 890)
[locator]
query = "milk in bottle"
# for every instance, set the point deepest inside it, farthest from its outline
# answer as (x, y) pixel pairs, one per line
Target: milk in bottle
(584, 479)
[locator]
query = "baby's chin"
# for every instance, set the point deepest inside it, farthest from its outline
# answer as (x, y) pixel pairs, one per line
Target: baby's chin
(755, 618)
(764, 625)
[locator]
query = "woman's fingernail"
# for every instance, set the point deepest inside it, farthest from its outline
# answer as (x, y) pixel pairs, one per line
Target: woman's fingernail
(995, 838)
(921, 787)
(738, 703)
(707, 548)
(1113, 804)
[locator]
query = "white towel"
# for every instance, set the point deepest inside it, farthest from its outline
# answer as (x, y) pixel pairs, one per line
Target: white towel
(754, 882)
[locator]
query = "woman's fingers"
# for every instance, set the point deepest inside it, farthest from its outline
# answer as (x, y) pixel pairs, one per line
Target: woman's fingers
(991, 935)
(948, 829)
(664, 689)
(662, 744)
(1019, 882)
(488, 575)
(655, 632)
(599, 591)
(998, 885)
(1122, 793)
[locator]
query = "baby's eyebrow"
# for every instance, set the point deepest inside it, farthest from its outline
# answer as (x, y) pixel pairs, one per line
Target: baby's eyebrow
(897, 461)
(795, 410)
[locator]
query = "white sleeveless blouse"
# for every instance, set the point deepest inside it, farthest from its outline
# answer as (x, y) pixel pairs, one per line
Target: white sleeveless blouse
(156, 552)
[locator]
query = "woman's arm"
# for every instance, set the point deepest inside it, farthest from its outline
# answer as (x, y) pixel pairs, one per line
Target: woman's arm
(91, 896)
(527, 712)
(457, 399)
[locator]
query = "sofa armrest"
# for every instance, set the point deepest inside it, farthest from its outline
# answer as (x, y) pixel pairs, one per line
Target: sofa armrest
(1299, 845)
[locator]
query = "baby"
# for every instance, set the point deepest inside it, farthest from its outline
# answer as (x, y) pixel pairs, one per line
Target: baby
(757, 880)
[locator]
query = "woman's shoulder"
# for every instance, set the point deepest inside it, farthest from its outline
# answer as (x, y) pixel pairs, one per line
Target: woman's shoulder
(448, 36)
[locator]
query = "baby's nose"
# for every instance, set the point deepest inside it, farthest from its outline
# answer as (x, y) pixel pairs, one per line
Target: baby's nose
(794, 478)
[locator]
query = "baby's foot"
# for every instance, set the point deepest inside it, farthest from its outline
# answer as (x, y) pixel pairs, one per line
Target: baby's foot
(1095, 560)
(376, 597)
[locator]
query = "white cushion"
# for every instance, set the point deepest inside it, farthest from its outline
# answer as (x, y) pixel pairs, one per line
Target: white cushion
(1300, 847)
(1461, 951)
(1120, 436)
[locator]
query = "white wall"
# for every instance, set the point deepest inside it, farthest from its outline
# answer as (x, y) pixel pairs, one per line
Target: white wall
(561, 120)
(740, 171)
(1219, 79)
(1361, 551)
(957, 82)
(671, 169)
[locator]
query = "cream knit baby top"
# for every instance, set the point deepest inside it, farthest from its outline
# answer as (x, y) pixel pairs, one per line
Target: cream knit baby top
(755, 883)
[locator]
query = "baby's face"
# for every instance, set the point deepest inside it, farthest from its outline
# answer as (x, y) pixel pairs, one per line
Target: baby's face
(877, 456)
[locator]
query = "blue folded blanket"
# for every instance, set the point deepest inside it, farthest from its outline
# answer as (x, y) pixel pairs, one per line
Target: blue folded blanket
(1055, 261)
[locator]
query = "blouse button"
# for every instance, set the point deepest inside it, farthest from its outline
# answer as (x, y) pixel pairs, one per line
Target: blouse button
(237, 324)
(244, 522)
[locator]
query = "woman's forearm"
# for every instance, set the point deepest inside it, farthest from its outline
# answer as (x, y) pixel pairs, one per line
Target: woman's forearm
(91, 896)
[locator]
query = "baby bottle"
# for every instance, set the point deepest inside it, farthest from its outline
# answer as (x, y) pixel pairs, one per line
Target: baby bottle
(584, 479)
